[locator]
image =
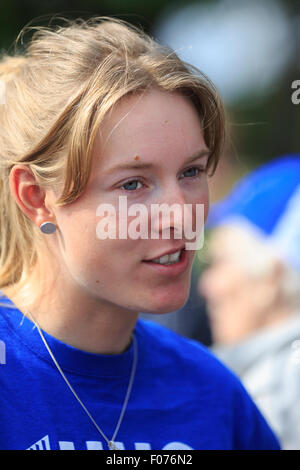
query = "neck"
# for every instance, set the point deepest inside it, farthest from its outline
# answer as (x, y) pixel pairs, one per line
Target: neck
(87, 324)
(101, 335)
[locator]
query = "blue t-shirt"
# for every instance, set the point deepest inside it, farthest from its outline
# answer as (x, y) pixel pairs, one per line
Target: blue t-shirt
(182, 396)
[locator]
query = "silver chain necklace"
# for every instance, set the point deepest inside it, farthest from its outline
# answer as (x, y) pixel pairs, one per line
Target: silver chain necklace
(110, 442)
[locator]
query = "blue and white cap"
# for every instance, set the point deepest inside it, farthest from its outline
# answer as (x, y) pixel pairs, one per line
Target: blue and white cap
(267, 200)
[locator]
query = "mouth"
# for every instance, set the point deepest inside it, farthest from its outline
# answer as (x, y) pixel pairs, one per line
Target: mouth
(169, 257)
(170, 265)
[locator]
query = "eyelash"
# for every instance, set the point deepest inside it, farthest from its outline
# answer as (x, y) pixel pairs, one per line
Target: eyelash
(200, 171)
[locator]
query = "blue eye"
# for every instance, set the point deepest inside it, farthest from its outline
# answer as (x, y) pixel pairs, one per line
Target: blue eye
(199, 171)
(132, 182)
(193, 168)
(132, 185)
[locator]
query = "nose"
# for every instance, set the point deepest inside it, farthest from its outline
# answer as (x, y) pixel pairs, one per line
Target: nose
(169, 209)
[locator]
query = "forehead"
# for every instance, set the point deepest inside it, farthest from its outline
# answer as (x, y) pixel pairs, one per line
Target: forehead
(150, 123)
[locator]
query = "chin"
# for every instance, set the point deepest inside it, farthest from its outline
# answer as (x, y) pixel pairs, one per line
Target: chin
(167, 303)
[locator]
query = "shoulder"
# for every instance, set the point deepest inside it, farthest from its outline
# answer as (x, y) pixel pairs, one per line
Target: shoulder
(6, 329)
(175, 348)
(12, 349)
(190, 362)
(197, 371)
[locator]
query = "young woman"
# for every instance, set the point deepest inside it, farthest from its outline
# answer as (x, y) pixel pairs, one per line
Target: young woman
(95, 110)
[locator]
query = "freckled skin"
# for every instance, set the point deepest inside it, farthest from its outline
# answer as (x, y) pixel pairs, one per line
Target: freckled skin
(167, 147)
(102, 284)
(126, 284)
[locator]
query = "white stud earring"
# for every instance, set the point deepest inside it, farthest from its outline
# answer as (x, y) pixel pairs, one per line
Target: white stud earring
(47, 227)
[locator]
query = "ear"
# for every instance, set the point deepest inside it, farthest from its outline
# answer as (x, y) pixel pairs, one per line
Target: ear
(29, 196)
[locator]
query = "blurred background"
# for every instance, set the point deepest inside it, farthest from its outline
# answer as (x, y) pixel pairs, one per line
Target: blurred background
(250, 49)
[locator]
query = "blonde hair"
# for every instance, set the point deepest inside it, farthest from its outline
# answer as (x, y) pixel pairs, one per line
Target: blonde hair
(57, 93)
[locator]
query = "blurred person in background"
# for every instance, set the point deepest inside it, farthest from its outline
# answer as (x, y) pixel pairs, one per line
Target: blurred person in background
(252, 289)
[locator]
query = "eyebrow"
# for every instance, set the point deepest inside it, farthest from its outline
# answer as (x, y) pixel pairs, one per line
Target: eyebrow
(141, 165)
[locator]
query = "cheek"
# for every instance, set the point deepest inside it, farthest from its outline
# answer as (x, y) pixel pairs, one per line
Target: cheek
(101, 264)
(200, 208)
(206, 207)
(80, 245)
(203, 198)
(206, 201)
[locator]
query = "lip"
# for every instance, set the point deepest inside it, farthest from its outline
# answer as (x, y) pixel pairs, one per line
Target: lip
(169, 252)
(172, 270)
